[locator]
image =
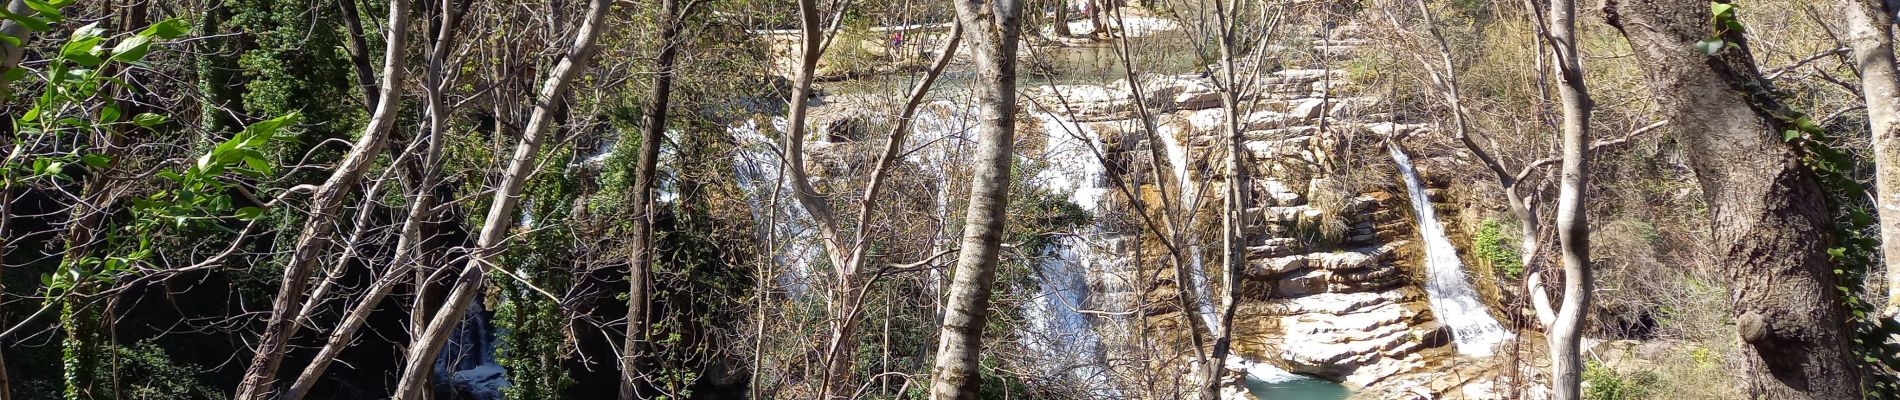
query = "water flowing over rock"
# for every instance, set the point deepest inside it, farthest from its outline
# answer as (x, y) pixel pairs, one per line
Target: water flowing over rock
(467, 367)
(1452, 296)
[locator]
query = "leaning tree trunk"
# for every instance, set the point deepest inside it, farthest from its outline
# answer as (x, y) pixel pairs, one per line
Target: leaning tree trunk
(418, 364)
(993, 29)
(1573, 228)
(1870, 33)
(1769, 215)
(324, 205)
(640, 247)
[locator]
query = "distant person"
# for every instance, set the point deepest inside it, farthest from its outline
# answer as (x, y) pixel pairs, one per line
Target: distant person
(897, 42)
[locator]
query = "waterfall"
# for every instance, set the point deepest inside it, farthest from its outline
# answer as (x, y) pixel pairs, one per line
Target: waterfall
(755, 167)
(1452, 298)
(467, 364)
(1057, 331)
(1186, 188)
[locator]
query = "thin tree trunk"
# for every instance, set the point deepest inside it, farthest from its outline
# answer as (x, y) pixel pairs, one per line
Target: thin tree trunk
(10, 54)
(420, 212)
(994, 28)
(358, 49)
(1870, 33)
(814, 37)
(324, 205)
(501, 211)
(640, 247)
(1173, 236)
(1769, 215)
(1573, 228)
(1061, 20)
(1239, 199)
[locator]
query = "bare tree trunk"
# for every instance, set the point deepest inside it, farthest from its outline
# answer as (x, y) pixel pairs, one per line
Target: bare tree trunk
(1870, 33)
(420, 212)
(1061, 20)
(994, 28)
(10, 54)
(1239, 199)
(501, 211)
(1769, 215)
(358, 49)
(640, 248)
(1169, 229)
(324, 205)
(1573, 229)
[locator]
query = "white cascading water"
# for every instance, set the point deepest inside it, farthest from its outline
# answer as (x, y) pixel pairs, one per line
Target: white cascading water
(755, 166)
(1187, 189)
(1474, 331)
(467, 363)
(1058, 332)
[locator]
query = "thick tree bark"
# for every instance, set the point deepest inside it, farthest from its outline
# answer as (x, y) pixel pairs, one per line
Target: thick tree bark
(1769, 216)
(1870, 33)
(1573, 229)
(324, 205)
(994, 29)
(640, 247)
(422, 354)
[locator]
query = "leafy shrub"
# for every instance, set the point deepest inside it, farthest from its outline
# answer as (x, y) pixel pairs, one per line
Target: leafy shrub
(1496, 246)
(1605, 383)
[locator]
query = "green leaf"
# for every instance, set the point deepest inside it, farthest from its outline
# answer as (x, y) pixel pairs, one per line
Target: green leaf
(1721, 9)
(1710, 46)
(11, 41)
(258, 164)
(88, 31)
(82, 50)
(132, 48)
(1789, 135)
(31, 23)
(270, 127)
(147, 120)
(48, 9)
(96, 160)
(249, 213)
(168, 29)
(109, 114)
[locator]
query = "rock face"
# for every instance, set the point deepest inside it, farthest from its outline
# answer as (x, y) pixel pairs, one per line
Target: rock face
(1329, 288)
(1343, 311)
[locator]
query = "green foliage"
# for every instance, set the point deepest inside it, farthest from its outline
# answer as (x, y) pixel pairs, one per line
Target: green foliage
(1038, 215)
(146, 372)
(295, 54)
(1854, 250)
(1496, 245)
(1605, 383)
(72, 127)
(1723, 15)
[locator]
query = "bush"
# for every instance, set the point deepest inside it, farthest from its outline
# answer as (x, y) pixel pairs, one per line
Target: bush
(1603, 383)
(1496, 246)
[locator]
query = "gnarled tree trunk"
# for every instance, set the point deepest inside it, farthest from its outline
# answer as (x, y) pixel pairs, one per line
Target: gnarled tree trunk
(1770, 217)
